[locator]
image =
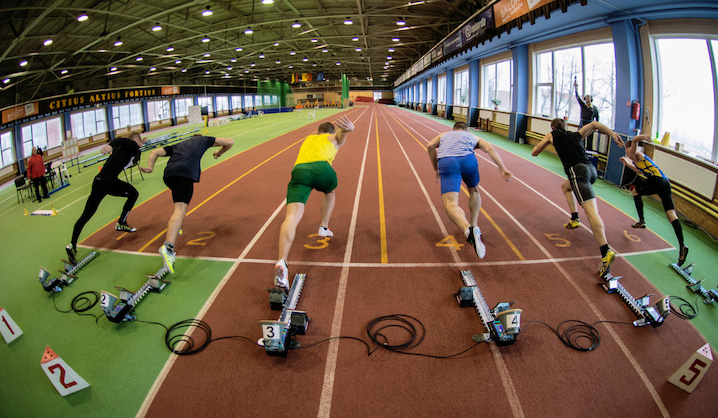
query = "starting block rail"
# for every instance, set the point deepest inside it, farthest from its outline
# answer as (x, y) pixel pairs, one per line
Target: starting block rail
(121, 308)
(68, 274)
(653, 315)
(695, 286)
(276, 335)
(502, 323)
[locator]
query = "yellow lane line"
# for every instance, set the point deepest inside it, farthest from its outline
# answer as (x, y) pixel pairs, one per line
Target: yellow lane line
(491, 221)
(382, 217)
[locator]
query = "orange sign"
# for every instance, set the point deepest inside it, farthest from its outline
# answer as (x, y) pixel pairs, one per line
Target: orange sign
(19, 112)
(170, 90)
(508, 10)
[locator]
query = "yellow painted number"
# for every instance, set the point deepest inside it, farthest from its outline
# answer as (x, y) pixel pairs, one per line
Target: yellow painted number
(200, 240)
(631, 236)
(323, 242)
(449, 241)
(560, 242)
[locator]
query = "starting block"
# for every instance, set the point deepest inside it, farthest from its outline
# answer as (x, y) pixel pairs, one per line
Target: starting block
(502, 323)
(696, 287)
(121, 309)
(276, 335)
(68, 274)
(654, 315)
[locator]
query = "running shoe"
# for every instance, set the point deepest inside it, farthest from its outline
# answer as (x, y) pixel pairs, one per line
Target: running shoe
(682, 254)
(572, 224)
(71, 254)
(281, 275)
(325, 232)
(475, 240)
(124, 228)
(639, 225)
(169, 258)
(606, 261)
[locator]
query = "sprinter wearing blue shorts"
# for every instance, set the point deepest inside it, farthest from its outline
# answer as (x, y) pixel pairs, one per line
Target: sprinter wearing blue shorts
(452, 154)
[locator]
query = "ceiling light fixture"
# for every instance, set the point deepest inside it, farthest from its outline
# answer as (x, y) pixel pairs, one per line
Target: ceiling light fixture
(139, 59)
(355, 39)
(63, 72)
(296, 24)
(252, 64)
(156, 28)
(207, 54)
(248, 31)
(118, 42)
(305, 59)
(276, 44)
(229, 68)
(83, 17)
(339, 63)
(178, 62)
(395, 39)
(348, 21)
(292, 53)
(113, 69)
(400, 22)
(325, 50)
(391, 49)
(184, 70)
(358, 50)
(7, 80)
(23, 63)
(278, 62)
(170, 48)
(239, 48)
(47, 42)
(233, 60)
(315, 40)
(207, 12)
(267, 1)
(261, 55)
(206, 72)
(152, 68)
(205, 39)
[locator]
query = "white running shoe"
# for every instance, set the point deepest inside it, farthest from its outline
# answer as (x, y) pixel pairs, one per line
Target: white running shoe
(169, 258)
(475, 241)
(281, 275)
(325, 232)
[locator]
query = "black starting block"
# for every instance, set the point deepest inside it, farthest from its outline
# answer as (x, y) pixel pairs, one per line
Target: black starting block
(120, 309)
(502, 323)
(654, 315)
(276, 335)
(695, 286)
(53, 284)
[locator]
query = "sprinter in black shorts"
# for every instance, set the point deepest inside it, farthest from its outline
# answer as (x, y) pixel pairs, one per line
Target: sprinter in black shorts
(124, 153)
(581, 175)
(182, 172)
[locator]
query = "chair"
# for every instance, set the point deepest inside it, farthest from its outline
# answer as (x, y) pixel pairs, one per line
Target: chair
(20, 185)
(124, 170)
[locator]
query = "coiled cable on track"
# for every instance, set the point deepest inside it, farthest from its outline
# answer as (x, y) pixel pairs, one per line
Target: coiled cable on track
(684, 309)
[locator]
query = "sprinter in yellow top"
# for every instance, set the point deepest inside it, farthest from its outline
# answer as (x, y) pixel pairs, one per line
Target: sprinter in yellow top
(312, 170)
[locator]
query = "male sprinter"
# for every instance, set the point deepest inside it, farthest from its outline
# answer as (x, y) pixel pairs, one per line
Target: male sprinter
(125, 152)
(181, 173)
(452, 154)
(581, 175)
(312, 170)
(655, 182)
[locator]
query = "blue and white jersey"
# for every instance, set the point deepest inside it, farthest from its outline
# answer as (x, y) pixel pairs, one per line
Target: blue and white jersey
(456, 144)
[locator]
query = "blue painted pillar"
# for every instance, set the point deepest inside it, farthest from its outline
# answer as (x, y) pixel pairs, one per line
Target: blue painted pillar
(214, 106)
(474, 87)
(520, 94)
(424, 86)
(145, 114)
(434, 93)
(19, 157)
(449, 93)
(110, 121)
(173, 112)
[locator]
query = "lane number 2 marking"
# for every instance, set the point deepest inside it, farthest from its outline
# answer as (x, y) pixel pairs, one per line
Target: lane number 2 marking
(561, 242)
(323, 242)
(201, 239)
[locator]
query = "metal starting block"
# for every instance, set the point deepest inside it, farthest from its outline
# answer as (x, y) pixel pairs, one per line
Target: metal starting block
(654, 315)
(696, 287)
(276, 335)
(68, 274)
(121, 309)
(502, 323)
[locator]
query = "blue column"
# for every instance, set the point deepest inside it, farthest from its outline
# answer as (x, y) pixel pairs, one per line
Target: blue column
(434, 93)
(426, 94)
(173, 111)
(19, 157)
(110, 121)
(145, 114)
(520, 94)
(214, 106)
(449, 93)
(474, 87)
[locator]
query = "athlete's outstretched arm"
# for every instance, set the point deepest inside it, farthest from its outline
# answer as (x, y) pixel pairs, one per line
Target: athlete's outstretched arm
(547, 139)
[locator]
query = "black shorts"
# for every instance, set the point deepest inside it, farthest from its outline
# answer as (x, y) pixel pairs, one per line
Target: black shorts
(581, 177)
(660, 186)
(182, 188)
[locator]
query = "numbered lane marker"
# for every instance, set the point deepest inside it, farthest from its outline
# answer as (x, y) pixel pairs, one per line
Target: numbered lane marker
(632, 237)
(200, 241)
(560, 242)
(62, 376)
(692, 371)
(449, 241)
(323, 242)
(8, 328)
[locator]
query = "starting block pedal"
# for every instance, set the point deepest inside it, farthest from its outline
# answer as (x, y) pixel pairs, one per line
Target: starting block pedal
(276, 335)
(120, 309)
(709, 296)
(68, 274)
(502, 323)
(653, 315)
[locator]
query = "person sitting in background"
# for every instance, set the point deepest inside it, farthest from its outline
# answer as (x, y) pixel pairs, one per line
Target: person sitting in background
(36, 173)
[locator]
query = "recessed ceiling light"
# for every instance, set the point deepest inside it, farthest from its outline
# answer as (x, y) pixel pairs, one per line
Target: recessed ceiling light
(296, 24)
(205, 39)
(248, 31)
(47, 42)
(170, 48)
(156, 28)
(23, 63)
(83, 17)
(348, 21)
(139, 59)
(118, 42)
(207, 12)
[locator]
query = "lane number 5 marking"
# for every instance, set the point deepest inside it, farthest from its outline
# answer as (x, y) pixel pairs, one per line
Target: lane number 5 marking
(561, 242)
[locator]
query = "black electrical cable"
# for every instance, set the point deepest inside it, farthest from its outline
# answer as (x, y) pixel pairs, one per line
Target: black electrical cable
(685, 309)
(574, 335)
(83, 302)
(201, 329)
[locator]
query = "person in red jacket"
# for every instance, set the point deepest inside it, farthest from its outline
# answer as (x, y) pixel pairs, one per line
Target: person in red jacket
(36, 173)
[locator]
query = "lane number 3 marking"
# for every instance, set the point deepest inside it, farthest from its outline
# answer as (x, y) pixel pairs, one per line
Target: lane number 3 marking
(323, 242)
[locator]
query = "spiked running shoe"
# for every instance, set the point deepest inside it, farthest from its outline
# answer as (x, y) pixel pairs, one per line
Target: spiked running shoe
(572, 224)
(169, 258)
(639, 225)
(124, 228)
(606, 261)
(71, 254)
(281, 275)
(682, 254)
(475, 240)
(325, 232)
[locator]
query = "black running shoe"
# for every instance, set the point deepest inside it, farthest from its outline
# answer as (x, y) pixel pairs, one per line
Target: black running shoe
(71, 254)
(124, 228)
(682, 254)
(639, 225)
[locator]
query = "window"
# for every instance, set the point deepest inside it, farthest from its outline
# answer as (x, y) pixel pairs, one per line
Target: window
(126, 115)
(158, 110)
(461, 88)
(686, 76)
(421, 92)
(182, 106)
(248, 102)
(88, 123)
(45, 134)
(441, 87)
(6, 149)
(377, 96)
(429, 86)
(497, 84)
(222, 103)
(593, 67)
(267, 100)
(236, 102)
(258, 102)
(411, 94)
(206, 101)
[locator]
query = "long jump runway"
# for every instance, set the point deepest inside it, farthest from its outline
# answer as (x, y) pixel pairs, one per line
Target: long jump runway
(396, 252)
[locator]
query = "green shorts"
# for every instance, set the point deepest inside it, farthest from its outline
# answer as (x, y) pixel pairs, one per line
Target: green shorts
(318, 175)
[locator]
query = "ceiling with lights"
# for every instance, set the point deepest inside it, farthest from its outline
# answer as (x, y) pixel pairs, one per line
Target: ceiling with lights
(51, 47)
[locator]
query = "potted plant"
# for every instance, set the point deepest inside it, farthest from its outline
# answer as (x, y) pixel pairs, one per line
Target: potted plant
(496, 103)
